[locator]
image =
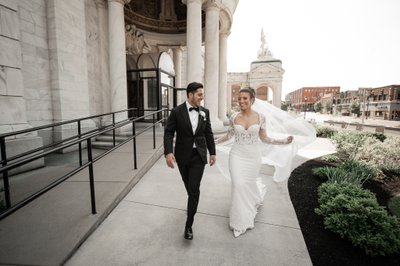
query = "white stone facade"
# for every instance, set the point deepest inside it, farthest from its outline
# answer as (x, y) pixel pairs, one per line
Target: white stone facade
(62, 60)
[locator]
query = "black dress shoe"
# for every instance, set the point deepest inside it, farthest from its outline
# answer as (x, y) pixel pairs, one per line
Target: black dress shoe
(188, 233)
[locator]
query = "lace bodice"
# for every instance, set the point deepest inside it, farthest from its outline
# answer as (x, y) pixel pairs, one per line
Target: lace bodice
(246, 136)
(252, 135)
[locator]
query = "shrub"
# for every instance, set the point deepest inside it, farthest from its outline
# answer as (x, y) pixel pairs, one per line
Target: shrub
(382, 156)
(325, 131)
(349, 143)
(351, 171)
(394, 206)
(331, 174)
(380, 136)
(331, 158)
(359, 170)
(355, 214)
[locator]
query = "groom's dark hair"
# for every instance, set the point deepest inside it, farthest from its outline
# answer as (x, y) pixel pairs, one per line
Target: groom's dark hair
(192, 87)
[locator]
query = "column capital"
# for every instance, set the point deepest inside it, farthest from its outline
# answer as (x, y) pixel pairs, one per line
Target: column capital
(186, 2)
(101, 3)
(122, 2)
(224, 33)
(212, 4)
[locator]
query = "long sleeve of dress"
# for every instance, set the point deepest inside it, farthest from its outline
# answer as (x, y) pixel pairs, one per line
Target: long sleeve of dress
(264, 137)
(228, 135)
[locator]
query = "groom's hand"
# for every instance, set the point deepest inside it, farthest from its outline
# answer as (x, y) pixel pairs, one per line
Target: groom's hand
(213, 159)
(170, 158)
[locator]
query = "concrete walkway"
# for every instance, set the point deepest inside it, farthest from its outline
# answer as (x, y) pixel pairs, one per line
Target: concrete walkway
(146, 228)
(49, 230)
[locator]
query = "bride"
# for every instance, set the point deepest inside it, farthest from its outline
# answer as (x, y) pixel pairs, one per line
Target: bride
(247, 154)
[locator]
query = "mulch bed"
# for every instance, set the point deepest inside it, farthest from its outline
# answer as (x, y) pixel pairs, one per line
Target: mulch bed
(327, 248)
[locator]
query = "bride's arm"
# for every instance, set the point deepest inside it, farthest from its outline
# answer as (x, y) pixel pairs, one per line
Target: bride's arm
(264, 138)
(228, 135)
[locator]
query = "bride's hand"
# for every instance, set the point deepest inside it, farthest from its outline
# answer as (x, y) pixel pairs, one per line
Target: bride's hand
(289, 139)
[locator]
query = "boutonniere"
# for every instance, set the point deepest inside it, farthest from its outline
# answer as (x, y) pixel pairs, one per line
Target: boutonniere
(203, 115)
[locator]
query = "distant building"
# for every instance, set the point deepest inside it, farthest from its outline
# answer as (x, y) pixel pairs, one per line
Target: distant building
(381, 102)
(304, 98)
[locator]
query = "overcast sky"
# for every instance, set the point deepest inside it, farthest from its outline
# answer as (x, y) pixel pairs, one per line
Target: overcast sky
(346, 43)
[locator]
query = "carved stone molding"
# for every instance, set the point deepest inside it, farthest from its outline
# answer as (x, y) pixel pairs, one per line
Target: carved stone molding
(192, 1)
(212, 4)
(122, 2)
(101, 3)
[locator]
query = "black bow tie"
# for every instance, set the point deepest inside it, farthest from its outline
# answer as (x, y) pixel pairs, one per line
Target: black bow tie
(194, 108)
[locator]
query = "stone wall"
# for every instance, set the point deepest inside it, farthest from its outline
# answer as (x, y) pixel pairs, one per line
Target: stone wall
(12, 104)
(35, 61)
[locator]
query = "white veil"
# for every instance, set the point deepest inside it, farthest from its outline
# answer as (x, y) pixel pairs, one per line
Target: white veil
(279, 125)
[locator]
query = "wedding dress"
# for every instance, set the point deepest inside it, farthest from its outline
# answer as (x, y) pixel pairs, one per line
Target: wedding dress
(248, 153)
(245, 164)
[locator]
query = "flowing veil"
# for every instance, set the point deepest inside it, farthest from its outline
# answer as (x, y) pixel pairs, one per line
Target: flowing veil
(279, 125)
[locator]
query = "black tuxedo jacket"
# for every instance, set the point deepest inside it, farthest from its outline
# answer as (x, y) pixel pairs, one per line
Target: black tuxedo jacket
(179, 122)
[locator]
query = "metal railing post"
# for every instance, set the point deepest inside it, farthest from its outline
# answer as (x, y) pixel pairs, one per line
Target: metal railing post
(154, 131)
(80, 143)
(134, 145)
(91, 176)
(5, 173)
(113, 121)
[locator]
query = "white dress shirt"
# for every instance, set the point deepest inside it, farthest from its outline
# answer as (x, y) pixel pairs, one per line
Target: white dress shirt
(194, 117)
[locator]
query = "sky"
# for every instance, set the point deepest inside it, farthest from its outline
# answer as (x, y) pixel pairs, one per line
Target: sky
(346, 43)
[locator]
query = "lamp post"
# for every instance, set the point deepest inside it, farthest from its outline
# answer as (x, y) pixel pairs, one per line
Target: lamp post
(305, 107)
(368, 99)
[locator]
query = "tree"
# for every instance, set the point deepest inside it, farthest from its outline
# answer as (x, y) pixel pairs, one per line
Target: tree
(318, 107)
(328, 107)
(355, 107)
(284, 106)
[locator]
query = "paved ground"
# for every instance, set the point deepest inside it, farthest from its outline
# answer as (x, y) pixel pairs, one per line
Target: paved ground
(146, 228)
(48, 230)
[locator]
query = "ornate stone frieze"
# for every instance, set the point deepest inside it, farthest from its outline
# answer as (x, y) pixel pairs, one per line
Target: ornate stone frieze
(134, 41)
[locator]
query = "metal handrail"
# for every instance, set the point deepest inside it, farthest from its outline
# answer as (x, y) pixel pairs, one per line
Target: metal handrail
(87, 137)
(27, 130)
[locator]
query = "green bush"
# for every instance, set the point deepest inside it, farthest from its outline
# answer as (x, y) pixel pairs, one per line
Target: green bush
(349, 143)
(350, 171)
(359, 170)
(325, 131)
(331, 174)
(380, 136)
(330, 158)
(394, 206)
(382, 156)
(355, 214)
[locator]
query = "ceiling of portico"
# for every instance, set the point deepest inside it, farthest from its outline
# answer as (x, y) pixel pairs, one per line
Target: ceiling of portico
(158, 16)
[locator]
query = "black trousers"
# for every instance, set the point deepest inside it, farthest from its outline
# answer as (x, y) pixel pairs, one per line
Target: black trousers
(191, 173)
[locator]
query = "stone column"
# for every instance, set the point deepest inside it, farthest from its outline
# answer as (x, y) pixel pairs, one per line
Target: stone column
(177, 57)
(223, 74)
(103, 56)
(211, 79)
(116, 28)
(277, 94)
(69, 67)
(12, 96)
(193, 40)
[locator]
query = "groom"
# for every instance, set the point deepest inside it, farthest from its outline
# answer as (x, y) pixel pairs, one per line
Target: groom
(194, 136)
